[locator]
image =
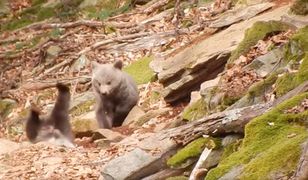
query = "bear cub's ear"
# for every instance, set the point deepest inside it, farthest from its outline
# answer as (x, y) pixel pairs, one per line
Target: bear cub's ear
(94, 65)
(118, 64)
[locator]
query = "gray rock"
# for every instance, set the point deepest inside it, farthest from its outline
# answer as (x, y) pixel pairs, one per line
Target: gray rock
(296, 20)
(194, 97)
(133, 115)
(107, 134)
(213, 159)
(8, 146)
(82, 98)
(53, 51)
(157, 64)
(140, 162)
(148, 116)
(185, 71)
(80, 63)
(265, 64)
(164, 174)
(233, 16)
(230, 139)
(233, 174)
(207, 86)
(124, 166)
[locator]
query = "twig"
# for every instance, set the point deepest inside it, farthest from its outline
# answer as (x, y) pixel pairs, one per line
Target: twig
(66, 25)
(155, 6)
(40, 85)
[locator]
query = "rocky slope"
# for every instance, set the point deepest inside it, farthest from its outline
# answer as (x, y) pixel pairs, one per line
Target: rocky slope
(241, 65)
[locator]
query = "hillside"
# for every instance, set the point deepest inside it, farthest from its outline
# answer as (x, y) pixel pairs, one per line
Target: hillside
(223, 88)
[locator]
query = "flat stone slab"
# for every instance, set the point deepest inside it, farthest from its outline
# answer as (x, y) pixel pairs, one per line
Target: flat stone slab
(141, 161)
(265, 64)
(123, 166)
(233, 16)
(186, 70)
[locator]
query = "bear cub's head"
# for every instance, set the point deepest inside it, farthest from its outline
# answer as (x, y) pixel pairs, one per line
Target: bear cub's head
(106, 78)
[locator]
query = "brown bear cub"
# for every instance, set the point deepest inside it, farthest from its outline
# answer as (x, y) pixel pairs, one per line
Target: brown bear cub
(116, 93)
(54, 128)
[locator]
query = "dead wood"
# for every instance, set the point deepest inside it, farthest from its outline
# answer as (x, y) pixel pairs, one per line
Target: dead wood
(153, 7)
(222, 123)
(44, 25)
(198, 170)
(302, 169)
(41, 85)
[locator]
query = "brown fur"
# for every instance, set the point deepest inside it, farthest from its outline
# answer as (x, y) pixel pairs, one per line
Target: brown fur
(56, 126)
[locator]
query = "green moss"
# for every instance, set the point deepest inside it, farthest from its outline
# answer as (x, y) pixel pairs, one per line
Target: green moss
(260, 87)
(140, 70)
(300, 7)
(38, 2)
(83, 125)
(6, 107)
(252, 35)
(295, 51)
(195, 111)
(267, 148)
(56, 33)
(229, 100)
(231, 148)
(45, 13)
(289, 81)
(301, 38)
(82, 108)
(193, 149)
(177, 178)
(107, 8)
(15, 24)
(37, 13)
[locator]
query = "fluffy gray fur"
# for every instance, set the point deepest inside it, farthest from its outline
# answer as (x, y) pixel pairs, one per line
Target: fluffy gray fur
(116, 93)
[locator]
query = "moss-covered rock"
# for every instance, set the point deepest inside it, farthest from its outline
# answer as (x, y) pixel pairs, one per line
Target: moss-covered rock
(297, 50)
(195, 111)
(252, 35)
(6, 107)
(192, 150)
(295, 53)
(140, 70)
(267, 147)
(300, 7)
(82, 108)
(84, 125)
(103, 9)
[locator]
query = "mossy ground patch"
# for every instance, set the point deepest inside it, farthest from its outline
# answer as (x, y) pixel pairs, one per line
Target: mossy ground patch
(266, 147)
(140, 70)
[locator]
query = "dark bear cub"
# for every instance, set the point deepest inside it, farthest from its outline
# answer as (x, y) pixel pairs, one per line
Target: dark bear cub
(116, 93)
(54, 128)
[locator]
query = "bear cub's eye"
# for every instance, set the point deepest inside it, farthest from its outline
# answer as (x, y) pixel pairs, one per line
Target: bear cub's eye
(108, 82)
(98, 84)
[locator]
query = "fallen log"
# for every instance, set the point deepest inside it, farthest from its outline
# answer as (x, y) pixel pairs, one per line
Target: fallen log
(231, 121)
(302, 169)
